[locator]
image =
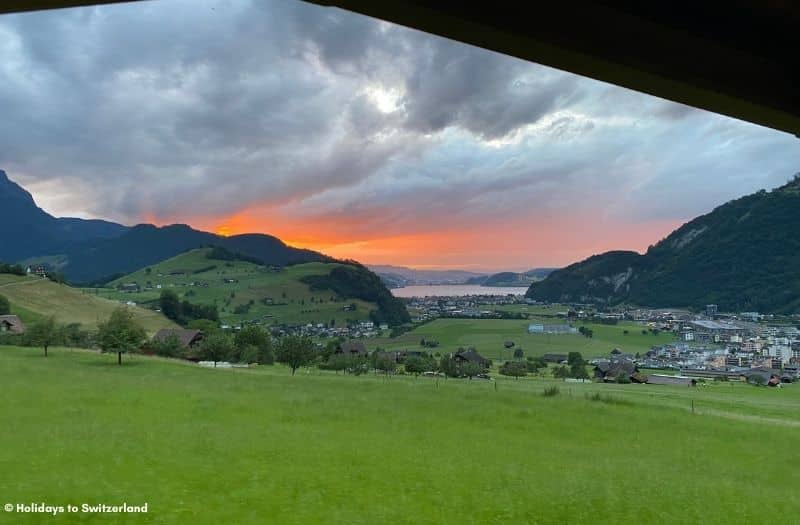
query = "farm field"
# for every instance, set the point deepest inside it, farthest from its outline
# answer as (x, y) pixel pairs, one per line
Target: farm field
(32, 298)
(488, 336)
(258, 446)
(243, 285)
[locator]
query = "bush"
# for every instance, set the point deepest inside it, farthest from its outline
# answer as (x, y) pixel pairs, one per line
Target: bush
(550, 391)
(514, 369)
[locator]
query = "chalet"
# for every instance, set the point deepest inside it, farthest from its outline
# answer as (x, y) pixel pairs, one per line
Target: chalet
(186, 338)
(11, 324)
(611, 370)
(471, 356)
(659, 379)
(554, 358)
(352, 348)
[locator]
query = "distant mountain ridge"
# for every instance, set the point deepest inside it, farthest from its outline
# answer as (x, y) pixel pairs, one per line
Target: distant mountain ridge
(398, 276)
(512, 278)
(742, 256)
(90, 250)
(32, 231)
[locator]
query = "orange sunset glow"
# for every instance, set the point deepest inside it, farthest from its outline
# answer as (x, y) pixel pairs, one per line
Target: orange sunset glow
(548, 241)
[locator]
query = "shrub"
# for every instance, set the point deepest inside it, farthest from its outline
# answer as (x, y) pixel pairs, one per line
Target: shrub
(550, 391)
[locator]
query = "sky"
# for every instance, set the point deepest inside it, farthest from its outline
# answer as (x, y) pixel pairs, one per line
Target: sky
(353, 136)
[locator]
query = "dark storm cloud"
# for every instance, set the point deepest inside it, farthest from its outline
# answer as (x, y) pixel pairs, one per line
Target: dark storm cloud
(176, 108)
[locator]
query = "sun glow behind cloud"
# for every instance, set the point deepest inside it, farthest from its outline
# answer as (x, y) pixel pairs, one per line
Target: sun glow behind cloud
(354, 137)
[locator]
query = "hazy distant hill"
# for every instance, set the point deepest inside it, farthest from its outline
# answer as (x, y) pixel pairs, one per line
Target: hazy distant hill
(511, 278)
(404, 276)
(744, 255)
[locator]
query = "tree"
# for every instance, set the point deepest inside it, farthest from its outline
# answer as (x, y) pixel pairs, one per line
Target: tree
(471, 369)
(515, 369)
(295, 351)
(120, 333)
(578, 371)
(5, 306)
(518, 353)
(169, 347)
(575, 358)
(449, 366)
(170, 305)
(216, 347)
(44, 333)
(561, 372)
(74, 335)
(385, 362)
(206, 326)
(255, 337)
(419, 364)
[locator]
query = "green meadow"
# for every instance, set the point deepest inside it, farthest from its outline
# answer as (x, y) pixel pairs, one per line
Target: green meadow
(259, 446)
(33, 298)
(198, 279)
(489, 335)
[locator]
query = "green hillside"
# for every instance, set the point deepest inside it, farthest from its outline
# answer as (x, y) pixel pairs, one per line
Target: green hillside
(243, 290)
(32, 298)
(744, 255)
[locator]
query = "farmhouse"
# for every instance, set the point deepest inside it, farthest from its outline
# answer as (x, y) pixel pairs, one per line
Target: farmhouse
(554, 358)
(354, 348)
(11, 324)
(612, 370)
(186, 338)
(471, 356)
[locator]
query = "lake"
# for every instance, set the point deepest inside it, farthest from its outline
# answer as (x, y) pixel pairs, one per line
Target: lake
(456, 290)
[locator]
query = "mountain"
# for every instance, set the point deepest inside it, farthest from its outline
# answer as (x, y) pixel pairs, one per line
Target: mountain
(744, 255)
(511, 278)
(35, 232)
(92, 250)
(539, 273)
(403, 276)
(146, 244)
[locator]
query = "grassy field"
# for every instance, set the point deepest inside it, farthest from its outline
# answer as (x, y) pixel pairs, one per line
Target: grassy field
(32, 297)
(488, 336)
(258, 446)
(293, 301)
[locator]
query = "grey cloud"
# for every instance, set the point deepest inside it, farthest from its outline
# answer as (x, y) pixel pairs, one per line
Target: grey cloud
(457, 85)
(173, 108)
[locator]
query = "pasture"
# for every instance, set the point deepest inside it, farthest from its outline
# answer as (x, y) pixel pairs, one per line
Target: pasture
(32, 298)
(489, 335)
(258, 446)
